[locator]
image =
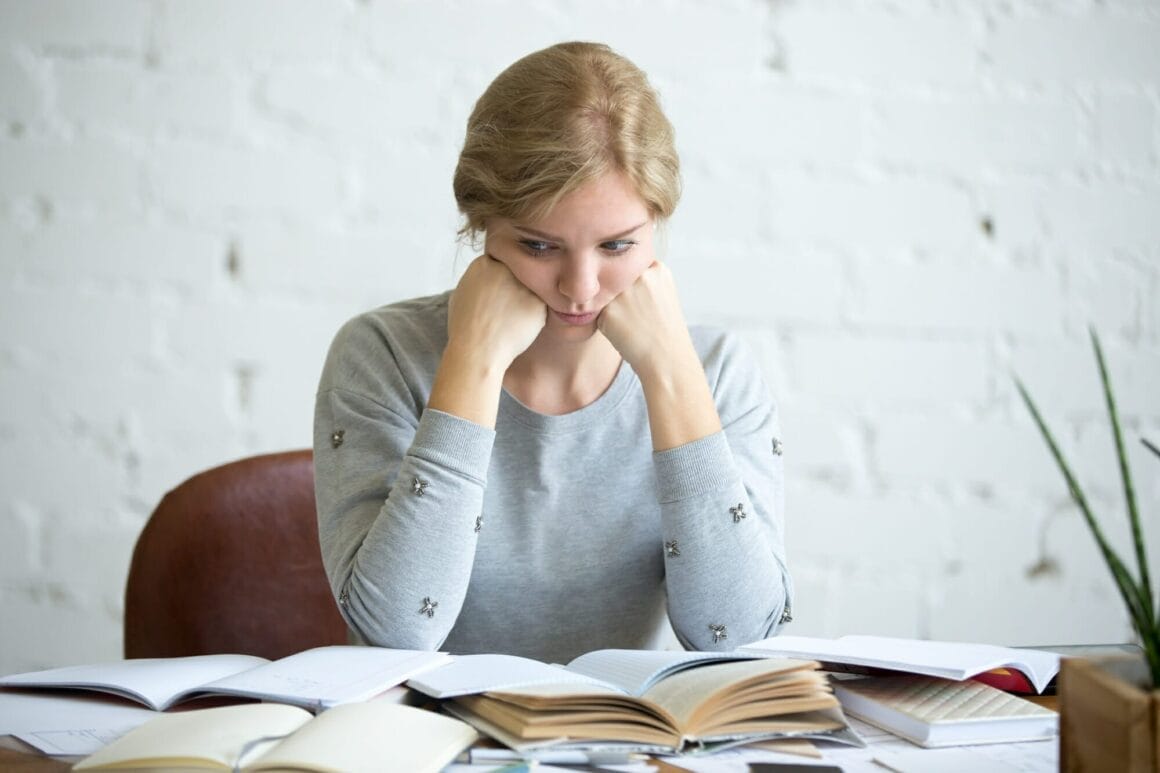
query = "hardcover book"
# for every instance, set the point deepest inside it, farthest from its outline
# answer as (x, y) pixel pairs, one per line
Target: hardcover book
(652, 701)
(932, 712)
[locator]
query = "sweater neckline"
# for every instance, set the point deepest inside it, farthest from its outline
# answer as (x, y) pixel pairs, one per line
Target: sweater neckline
(621, 386)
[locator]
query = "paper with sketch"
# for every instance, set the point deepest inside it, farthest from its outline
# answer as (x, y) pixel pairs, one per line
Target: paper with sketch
(950, 660)
(57, 723)
(317, 678)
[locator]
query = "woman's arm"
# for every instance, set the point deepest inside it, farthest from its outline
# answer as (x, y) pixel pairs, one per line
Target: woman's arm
(397, 496)
(492, 319)
(399, 487)
(722, 506)
(719, 478)
(646, 325)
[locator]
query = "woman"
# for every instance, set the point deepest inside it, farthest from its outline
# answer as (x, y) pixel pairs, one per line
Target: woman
(546, 460)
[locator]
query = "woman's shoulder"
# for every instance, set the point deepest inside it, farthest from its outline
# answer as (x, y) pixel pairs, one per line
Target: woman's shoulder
(730, 362)
(412, 323)
(718, 346)
(426, 313)
(400, 340)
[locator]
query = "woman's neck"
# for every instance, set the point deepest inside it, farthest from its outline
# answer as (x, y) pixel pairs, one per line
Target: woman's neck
(554, 377)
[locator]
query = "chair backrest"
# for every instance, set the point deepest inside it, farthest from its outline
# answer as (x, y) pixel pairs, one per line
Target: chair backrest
(229, 562)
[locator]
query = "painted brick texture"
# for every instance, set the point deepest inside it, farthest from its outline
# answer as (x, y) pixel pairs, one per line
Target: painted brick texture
(897, 205)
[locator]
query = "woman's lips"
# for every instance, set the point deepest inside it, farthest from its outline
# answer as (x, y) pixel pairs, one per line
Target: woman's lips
(576, 319)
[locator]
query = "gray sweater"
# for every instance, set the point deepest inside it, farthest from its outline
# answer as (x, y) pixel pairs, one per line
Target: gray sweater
(551, 535)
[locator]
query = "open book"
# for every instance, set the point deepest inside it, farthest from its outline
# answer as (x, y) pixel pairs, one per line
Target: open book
(949, 660)
(378, 736)
(932, 712)
(316, 679)
(643, 700)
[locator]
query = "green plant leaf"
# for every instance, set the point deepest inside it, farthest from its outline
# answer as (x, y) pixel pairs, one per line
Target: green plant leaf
(1124, 581)
(1137, 595)
(1126, 476)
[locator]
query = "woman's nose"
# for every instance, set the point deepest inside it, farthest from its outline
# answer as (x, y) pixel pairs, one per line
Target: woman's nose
(579, 281)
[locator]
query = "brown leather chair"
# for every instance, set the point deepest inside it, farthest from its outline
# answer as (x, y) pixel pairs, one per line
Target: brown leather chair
(229, 563)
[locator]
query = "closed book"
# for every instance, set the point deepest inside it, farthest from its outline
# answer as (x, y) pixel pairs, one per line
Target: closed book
(932, 712)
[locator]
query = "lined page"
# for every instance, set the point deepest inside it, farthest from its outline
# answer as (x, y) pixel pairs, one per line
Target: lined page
(155, 682)
(328, 676)
(635, 671)
(474, 674)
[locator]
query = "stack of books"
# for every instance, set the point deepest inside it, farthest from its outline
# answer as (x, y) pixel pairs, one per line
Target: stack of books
(934, 693)
(345, 707)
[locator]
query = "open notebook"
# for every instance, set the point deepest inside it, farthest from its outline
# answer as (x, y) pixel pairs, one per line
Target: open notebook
(316, 678)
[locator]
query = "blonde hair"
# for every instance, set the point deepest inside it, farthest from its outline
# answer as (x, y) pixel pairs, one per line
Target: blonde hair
(555, 120)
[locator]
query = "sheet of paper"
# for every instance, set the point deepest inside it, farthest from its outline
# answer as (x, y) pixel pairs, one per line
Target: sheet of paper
(329, 676)
(470, 674)
(71, 743)
(800, 747)
(943, 760)
(1033, 757)
(34, 712)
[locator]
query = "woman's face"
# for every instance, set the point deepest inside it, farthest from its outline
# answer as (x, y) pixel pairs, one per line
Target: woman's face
(591, 247)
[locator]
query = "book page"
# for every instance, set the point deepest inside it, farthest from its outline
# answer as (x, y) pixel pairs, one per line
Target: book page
(204, 738)
(29, 713)
(635, 671)
(155, 682)
(328, 676)
(701, 692)
(378, 735)
(471, 674)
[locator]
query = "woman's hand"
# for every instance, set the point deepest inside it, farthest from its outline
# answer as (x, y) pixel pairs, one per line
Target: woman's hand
(647, 327)
(645, 322)
(491, 319)
(492, 314)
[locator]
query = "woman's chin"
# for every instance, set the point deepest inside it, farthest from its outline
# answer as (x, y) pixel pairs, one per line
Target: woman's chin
(571, 333)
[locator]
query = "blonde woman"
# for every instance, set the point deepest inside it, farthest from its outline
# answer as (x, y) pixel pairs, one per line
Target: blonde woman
(547, 460)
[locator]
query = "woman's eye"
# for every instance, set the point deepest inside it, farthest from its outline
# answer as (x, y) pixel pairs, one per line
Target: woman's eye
(617, 247)
(534, 247)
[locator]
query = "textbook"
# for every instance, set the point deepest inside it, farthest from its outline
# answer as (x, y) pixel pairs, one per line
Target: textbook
(932, 712)
(372, 736)
(949, 660)
(315, 679)
(640, 700)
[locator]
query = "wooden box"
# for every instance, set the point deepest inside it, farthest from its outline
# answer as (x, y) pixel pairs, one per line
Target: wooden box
(1109, 718)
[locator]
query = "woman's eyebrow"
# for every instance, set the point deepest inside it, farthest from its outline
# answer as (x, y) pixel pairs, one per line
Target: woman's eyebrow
(550, 238)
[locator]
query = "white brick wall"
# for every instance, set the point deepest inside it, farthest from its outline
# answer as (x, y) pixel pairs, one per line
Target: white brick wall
(897, 204)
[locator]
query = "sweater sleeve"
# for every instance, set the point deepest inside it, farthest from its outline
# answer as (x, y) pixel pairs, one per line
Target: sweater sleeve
(721, 501)
(398, 498)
